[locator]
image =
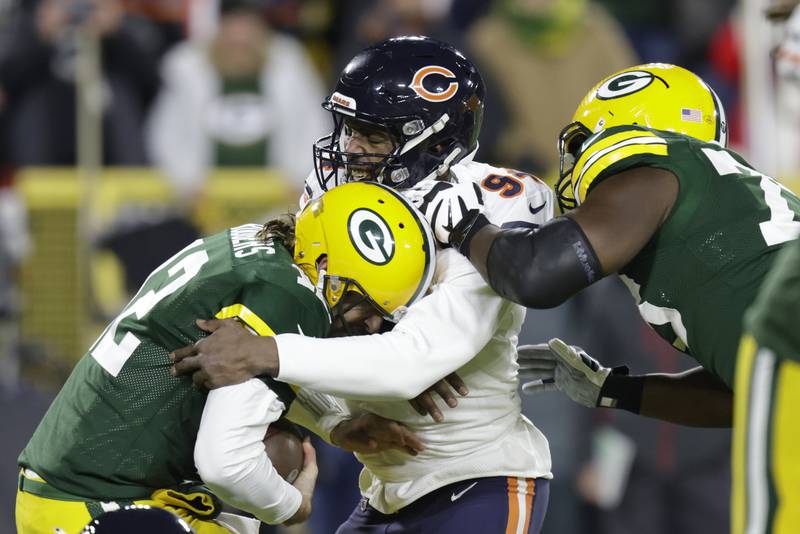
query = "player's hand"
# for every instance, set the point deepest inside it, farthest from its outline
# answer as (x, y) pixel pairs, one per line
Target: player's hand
(450, 208)
(230, 355)
(368, 432)
(424, 403)
(567, 368)
(305, 482)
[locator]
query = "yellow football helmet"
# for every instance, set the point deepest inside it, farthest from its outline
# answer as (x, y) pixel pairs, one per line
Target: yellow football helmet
(377, 244)
(655, 95)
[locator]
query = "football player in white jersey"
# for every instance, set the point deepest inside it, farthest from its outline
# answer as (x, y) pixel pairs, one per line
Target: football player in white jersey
(406, 110)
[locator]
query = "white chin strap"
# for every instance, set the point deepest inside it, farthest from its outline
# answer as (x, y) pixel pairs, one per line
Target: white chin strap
(436, 127)
(444, 166)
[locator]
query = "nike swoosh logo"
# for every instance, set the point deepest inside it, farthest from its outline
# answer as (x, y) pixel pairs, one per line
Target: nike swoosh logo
(455, 496)
(536, 209)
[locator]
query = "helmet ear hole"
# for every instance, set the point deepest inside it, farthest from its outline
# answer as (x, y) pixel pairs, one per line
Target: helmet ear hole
(322, 262)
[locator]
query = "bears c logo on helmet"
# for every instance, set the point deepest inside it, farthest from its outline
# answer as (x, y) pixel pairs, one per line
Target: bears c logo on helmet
(431, 96)
(626, 83)
(371, 236)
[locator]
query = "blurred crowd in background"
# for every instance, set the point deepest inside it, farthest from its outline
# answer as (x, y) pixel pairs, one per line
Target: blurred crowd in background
(191, 86)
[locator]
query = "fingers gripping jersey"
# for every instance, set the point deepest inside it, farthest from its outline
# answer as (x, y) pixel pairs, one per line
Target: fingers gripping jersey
(123, 425)
(701, 270)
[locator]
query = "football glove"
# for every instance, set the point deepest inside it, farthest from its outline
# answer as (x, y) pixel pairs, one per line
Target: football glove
(556, 365)
(452, 209)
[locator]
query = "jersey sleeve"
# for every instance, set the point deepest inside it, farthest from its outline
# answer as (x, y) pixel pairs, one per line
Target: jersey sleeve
(438, 335)
(613, 151)
(267, 309)
(513, 199)
(229, 451)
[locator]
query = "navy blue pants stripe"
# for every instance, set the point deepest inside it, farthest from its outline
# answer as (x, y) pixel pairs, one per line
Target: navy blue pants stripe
(476, 506)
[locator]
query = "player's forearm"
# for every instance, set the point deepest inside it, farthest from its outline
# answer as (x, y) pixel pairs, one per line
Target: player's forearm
(538, 268)
(317, 412)
(692, 398)
(229, 452)
(393, 366)
(438, 335)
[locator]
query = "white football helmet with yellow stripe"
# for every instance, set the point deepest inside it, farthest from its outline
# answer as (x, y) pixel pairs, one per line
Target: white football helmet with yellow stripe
(377, 244)
(655, 95)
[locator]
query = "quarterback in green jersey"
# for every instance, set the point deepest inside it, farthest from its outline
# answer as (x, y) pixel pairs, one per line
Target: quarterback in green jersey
(652, 193)
(125, 430)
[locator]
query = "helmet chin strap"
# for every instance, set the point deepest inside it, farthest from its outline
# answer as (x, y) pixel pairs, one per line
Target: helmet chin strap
(444, 166)
(436, 127)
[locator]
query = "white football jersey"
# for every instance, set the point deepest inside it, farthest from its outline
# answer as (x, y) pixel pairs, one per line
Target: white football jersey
(461, 325)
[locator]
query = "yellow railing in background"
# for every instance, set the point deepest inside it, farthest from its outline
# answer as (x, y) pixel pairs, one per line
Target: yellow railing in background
(56, 285)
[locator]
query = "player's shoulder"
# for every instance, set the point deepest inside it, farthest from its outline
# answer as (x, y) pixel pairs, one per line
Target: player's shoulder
(618, 148)
(311, 189)
(512, 198)
(506, 181)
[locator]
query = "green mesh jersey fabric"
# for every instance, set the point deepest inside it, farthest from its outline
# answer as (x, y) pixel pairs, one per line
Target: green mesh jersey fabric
(122, 425)
(698, 274)
(772, 319)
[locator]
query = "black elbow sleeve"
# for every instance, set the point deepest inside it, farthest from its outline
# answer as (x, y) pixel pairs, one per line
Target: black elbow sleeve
(544, 267)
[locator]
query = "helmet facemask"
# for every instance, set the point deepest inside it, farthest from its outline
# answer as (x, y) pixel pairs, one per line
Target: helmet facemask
(348, 295)
(418, 152)
(570, 142)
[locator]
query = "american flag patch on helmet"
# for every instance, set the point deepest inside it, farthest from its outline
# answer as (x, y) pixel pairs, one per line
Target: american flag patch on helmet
(691, 115)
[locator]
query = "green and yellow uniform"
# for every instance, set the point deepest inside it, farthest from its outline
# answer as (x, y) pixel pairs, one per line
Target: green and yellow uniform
(123, 428)
(701, 270)
(766, 468)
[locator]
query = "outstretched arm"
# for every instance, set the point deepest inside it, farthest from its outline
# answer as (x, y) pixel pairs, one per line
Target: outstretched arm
(543, 267)
(439, 334)
(692, 398)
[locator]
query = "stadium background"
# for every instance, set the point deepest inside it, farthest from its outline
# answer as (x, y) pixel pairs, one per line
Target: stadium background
(91, 202)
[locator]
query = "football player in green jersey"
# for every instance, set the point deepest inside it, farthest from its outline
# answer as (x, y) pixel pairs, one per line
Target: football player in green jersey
(123, 429)
(652, 193)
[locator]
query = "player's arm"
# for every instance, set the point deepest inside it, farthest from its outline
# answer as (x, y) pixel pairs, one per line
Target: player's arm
(541, 268)
(692, 398)
(438, 335)
(230, 456)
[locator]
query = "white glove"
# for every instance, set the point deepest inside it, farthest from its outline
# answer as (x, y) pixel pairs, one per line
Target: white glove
(446, 204)
(557, 365)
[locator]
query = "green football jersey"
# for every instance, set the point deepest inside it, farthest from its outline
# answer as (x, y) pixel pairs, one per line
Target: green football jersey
(773, 317)
(122, 425)
(701, 270)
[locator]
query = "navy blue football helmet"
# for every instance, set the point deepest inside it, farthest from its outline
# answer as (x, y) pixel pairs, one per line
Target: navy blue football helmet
(424, 93)
(138, 518)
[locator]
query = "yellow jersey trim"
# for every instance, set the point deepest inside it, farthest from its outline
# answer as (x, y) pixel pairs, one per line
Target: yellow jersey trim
(248, 317)
(609, 151)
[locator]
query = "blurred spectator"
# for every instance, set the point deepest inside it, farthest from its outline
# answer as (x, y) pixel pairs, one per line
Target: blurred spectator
(250, 97)
(540, 57)
(38, 76)
(361, 23)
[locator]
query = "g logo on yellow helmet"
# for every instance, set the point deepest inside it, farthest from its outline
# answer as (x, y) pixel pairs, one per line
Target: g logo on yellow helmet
(626, 83)
(431, 96)
(371, 236)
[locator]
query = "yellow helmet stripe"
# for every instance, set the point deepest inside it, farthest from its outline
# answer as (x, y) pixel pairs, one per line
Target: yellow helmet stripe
(248, 317)
(603, 159)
